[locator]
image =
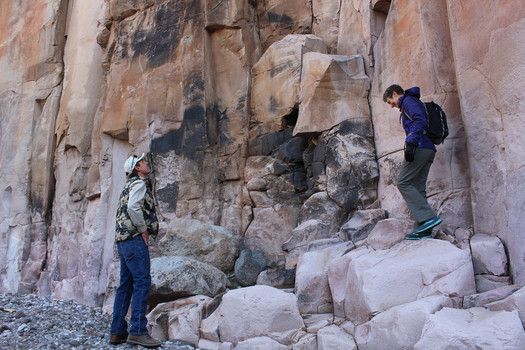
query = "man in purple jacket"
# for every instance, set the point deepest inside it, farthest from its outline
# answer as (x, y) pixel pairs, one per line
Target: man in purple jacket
(419, 155)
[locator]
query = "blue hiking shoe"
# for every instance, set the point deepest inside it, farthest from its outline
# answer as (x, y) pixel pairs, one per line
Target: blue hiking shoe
(429, 224)
(420, 235)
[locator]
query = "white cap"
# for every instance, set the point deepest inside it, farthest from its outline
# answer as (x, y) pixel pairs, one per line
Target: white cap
(130, 163)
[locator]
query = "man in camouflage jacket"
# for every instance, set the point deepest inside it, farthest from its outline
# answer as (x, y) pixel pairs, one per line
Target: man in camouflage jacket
(136, 221)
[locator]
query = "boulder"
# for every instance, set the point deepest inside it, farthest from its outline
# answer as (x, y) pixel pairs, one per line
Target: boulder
(178, 320)
(176, 276)
(338, 79)
(260, 343)
(259, 311)
(291, 151)
(276, 79)
(475, 328)
(399, 327)
(320, 207)
(211, 244)
(270, 228)
(389, 232)
(514, 302)
(277, 278)
(248, 266)
(361, 224)
(311, 279)
(307, 232)
(334, 338)
(488, 255)
(351, 170)
(366, 282)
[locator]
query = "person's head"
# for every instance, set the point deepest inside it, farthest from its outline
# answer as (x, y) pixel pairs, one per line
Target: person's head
(392, 95)
(136, 166)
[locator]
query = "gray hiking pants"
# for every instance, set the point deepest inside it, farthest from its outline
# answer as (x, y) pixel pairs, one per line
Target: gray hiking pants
(412, 183)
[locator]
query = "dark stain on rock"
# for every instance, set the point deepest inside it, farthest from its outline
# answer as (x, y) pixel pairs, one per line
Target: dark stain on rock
(158, 42)
(277, 18)
(194, 87)
(169, 195)
(189, 140)
(359, 127)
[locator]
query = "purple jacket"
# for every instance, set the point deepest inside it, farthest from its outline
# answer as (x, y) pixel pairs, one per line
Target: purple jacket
(415, 129)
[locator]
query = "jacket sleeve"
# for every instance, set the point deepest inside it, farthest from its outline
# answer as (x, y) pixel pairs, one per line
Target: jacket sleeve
(417, 127)
(135, 204)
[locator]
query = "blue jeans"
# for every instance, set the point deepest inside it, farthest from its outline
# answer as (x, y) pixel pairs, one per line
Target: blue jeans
(135, 282)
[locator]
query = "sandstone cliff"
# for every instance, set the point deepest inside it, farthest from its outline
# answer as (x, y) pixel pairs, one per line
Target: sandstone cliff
(262, 117)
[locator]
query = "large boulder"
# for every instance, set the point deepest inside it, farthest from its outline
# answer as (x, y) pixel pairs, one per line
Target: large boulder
(311, 278)
(248, 267)
(338, 79)
(276, 78)
(399, 327)
(351, 169)
(365, 282)
(474, 328)
(319, 206)
(176, 276)
(211, 244)
(259, 311)
(270, 228)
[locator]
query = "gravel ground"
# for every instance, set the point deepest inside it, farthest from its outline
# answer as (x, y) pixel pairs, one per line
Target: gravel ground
(33, 322)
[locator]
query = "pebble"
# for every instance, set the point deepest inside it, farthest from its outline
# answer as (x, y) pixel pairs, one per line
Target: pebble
(30, 322)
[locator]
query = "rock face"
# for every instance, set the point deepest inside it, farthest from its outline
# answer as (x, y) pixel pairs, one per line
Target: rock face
(264, 120)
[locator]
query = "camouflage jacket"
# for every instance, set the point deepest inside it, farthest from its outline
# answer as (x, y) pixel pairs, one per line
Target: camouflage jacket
(125, 228)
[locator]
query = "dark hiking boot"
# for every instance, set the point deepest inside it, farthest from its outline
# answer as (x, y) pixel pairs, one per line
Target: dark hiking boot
(115, 339)
(144, 340)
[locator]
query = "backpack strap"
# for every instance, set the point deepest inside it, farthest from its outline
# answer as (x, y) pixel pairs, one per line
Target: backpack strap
(406, 115)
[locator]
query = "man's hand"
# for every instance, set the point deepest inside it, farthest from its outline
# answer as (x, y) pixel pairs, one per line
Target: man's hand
(410, 150)
(145, 237)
